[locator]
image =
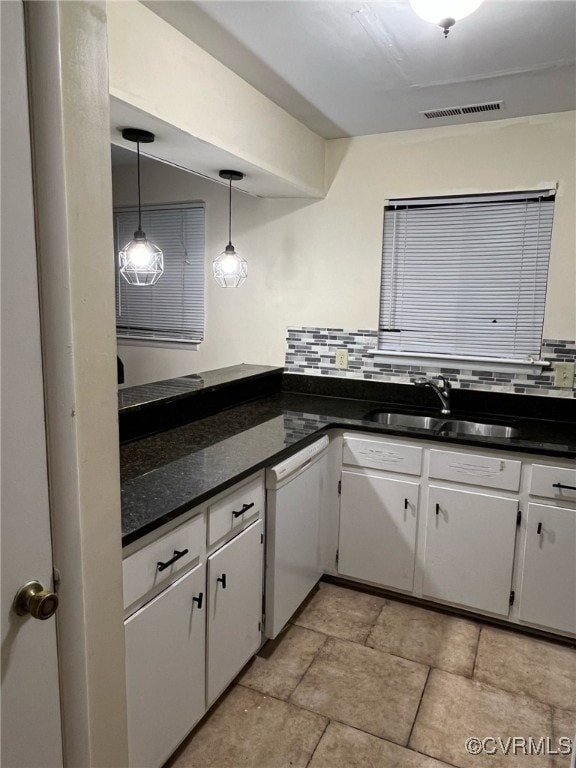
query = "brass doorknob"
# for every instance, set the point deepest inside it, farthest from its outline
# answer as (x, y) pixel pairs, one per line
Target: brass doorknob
(32, 598)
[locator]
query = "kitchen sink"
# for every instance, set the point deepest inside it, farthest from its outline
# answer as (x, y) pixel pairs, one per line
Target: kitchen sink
(403, 420)
(458, 427)
(441, 426)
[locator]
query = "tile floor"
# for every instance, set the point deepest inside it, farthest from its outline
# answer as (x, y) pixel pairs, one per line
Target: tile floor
(359, 681)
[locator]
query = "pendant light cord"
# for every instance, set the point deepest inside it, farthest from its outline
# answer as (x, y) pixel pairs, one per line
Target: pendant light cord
(139, 205)
(230, 213)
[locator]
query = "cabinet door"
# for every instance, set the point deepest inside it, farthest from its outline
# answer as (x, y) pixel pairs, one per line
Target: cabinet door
(548, 592)
(234, 607)
(469, 550)
(378, 529)
(165, 670)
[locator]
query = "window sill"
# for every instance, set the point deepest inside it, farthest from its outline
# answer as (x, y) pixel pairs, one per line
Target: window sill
(463, 363)
(126, 341)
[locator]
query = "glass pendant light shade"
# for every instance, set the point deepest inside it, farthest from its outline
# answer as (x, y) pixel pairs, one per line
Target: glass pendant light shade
(141, 261)
(445, 13)
(229, 268)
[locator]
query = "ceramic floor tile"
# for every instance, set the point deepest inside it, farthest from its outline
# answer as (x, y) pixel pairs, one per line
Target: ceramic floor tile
(432, 638)
(279, 666)
(523, 664)
(345, 747)
(564, 732)
(341, 612)
(454, 709)
(254, 731)
(364, 688)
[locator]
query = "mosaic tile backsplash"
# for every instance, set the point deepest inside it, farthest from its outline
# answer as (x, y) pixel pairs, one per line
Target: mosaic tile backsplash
(312, 351)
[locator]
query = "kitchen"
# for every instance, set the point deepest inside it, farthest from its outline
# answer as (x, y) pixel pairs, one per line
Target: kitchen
(301, 290)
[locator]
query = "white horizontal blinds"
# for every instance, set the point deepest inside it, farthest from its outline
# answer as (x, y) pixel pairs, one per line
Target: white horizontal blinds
(173, 309)
(466, 276)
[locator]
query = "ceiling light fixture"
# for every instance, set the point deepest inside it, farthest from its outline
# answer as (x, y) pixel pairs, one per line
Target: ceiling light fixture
(141, 261)
(230, 270)
(445, 13)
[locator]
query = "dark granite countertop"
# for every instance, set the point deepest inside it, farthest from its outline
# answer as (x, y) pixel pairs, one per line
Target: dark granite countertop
(168, 473)
(146, 396)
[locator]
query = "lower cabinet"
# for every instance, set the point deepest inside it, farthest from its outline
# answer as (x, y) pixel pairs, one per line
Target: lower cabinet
(165, 666)
(377, 540)
(469, 553)
(235, 573)
(548, 587)
(194, 602)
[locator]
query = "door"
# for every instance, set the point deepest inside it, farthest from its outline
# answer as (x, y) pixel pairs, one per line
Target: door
(165, 666)
(378, 529)
(31, 732)
(469, 553)
(234, 607)
(548, 592)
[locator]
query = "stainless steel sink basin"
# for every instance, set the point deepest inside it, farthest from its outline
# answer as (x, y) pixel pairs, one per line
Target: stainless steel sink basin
(441, 426)
(457, 427)
(403, 420)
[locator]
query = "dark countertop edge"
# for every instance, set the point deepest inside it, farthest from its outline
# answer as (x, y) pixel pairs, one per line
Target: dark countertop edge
(209, 389)
(545, 449)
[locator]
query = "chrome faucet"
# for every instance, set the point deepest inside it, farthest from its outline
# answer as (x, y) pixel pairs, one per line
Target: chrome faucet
(442, 389)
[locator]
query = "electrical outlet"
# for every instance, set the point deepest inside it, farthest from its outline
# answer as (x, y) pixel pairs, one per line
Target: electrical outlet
(342, 358)
(564, 375)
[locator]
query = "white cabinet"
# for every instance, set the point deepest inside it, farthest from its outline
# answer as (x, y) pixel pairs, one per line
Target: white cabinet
(548, 587)
(194, 616)
(234, 607)
(165, 670)
(553, 482)
(476, 469)
(443, 523)
(469, 552)
(377, 541)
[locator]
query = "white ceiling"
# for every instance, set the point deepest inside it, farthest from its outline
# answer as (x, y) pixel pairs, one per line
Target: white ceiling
(354, 68)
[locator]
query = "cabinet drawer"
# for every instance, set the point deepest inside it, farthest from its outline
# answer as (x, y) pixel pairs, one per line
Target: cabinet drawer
(236, 510)
(553, 482)
(381, 454)
(475, 469)
(142, 571)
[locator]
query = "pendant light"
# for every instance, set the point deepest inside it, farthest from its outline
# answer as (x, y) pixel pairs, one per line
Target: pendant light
(141, 261)
(445, 13)
(230, 270)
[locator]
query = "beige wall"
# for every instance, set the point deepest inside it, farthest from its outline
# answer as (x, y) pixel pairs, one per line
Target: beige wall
(156, 69)
(68, 72)
(318, 262)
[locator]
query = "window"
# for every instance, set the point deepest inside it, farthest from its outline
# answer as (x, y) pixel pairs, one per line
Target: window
(172, 311)
(466, 277)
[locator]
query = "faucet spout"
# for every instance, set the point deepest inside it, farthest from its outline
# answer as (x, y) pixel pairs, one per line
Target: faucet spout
(442, 388)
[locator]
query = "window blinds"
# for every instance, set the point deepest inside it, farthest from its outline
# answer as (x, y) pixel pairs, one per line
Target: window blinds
(466, 276)
(173, 309)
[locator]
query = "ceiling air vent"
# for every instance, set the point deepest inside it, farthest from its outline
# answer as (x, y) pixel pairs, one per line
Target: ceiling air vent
(491, 106)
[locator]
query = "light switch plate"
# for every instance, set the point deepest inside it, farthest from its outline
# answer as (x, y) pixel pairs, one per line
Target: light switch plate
(564, 375)
(342, 358)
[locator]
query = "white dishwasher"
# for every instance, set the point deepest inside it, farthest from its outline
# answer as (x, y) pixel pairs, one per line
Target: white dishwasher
(294, 492)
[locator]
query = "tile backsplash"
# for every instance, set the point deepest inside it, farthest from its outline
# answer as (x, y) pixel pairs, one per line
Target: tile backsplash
(312, 351)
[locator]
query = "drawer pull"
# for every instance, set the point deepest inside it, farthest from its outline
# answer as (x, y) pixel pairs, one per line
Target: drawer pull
(539, 529)
(245, 508)
(168, 563)
(561, 485)
(198, 600)
(222, 580)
